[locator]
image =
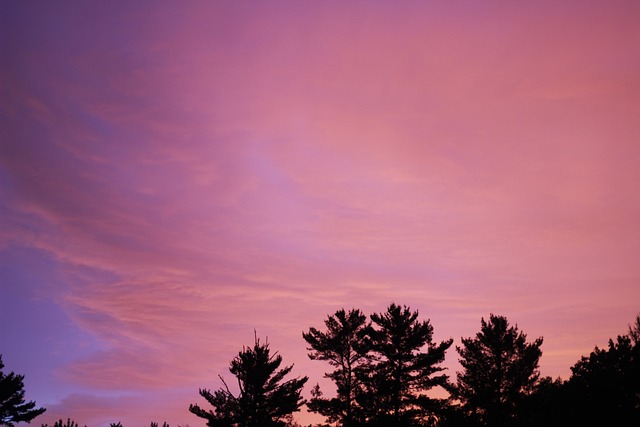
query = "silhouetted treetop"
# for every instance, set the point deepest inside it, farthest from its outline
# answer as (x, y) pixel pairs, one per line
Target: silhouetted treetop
(405, 363)
(344, 346)
(265, 398)
(604, 387)
(499, 368)
(13, 408)
(60, 423)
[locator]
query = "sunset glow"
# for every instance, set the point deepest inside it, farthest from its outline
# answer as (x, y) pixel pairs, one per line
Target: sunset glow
(176, 175)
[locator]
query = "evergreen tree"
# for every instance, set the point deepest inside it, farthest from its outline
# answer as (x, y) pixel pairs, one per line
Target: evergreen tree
(604, 388)
(13, 408)
(499, 369)
(344, 347)
(546, 405)
(405, 365)
(264, 400)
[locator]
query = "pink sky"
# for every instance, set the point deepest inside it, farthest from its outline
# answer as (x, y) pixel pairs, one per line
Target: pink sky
(175, 175)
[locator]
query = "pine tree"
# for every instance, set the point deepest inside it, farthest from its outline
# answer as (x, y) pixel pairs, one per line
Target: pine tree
(13, 408)
(405, 366)
(344, 347)
(264, 399)
(499, 369)
(604, 387)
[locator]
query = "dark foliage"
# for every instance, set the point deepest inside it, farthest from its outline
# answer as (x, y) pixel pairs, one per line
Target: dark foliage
(604, 388)
(264, 400)
(13, 408)
(499, 370)
(405, 364)
(546, 405)
(383, 369)
(60, 423)
(344, 346)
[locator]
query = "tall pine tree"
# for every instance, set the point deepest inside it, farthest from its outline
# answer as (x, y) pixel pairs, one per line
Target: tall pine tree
(264, 399)
(343, 346)
(499, 368)
(406, 364)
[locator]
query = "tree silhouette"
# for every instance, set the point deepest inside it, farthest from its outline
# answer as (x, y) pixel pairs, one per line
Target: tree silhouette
(344, 347)
(499, 369)
(546, 405)
(403, 369)
(634, 331)
(60, 423)
(264, 400)
(13, 408)
(604, 387)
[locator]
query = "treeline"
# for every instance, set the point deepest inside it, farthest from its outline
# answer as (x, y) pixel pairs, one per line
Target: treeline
(385, 368)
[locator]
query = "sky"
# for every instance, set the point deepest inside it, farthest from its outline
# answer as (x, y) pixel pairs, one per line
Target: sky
(177, 175)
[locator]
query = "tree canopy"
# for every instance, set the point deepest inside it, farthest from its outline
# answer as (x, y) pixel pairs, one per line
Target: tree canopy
(384, 366)
(264, 398)
(13, 408)
(405, 365)
(69, 423)
(499, 367)
(344, 346)
(604, 388)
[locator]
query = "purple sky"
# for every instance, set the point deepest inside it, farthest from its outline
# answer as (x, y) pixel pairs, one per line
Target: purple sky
(174, 175)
